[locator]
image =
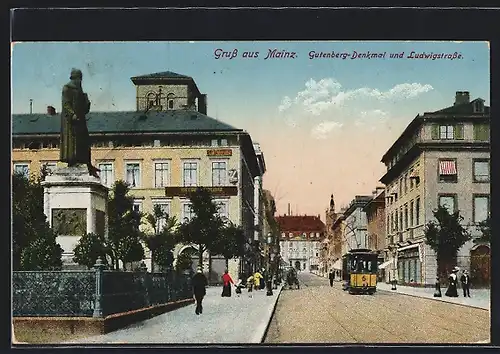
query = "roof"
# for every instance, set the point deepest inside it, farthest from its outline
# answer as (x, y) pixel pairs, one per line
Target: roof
(175, 121)
(302, 223)
(379, 199)
(359, 201)
(455, 111)
(161, 75)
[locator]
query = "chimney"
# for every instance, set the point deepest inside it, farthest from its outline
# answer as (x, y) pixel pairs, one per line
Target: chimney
(289, 209)
(462, 97)
(202, 104)
(51, 111)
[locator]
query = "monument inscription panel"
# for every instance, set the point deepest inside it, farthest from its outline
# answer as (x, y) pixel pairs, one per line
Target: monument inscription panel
(69, 222)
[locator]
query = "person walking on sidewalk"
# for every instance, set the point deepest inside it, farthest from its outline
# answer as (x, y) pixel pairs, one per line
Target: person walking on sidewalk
(465, 280)
(250, 284)
(452, 286)
(226, 284)
(256, 278)
(199, 283)
(331, 277)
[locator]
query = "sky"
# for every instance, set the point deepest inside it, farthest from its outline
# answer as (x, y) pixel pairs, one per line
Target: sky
(322, 123)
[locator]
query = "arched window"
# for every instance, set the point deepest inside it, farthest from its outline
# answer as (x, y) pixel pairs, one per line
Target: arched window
(151, 99)
(170, 100)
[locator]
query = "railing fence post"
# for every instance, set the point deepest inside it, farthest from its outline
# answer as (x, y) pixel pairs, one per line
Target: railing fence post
(99, 267)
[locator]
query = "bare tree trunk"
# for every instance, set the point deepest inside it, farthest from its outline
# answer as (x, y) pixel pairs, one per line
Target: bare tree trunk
(200, 256)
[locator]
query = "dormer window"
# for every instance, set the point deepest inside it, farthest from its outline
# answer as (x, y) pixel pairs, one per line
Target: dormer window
(478, 106)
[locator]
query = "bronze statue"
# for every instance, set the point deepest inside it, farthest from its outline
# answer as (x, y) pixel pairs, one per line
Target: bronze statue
(75, 140)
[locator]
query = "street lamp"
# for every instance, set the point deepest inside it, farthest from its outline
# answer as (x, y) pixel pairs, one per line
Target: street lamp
(269, 277)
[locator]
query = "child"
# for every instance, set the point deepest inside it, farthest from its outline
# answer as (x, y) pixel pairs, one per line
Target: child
(250, 284)
(238, 286)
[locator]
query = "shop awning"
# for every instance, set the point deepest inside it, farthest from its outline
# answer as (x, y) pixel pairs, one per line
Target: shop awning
(415, 245)
(338, 264)
(384, 265)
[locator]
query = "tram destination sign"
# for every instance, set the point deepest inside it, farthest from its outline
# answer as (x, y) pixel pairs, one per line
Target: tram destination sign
(223, 191)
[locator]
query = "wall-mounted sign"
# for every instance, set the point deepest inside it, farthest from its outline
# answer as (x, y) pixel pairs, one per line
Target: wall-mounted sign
(224, 191)
(219, 152)
(233, 176)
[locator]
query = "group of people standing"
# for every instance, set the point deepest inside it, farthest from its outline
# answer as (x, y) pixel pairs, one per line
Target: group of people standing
(200, 283)
(453, 283)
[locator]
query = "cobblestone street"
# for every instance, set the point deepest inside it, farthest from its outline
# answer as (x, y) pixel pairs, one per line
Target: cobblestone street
(318, 313)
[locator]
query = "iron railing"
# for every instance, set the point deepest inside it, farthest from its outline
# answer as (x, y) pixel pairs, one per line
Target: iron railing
(94, 293)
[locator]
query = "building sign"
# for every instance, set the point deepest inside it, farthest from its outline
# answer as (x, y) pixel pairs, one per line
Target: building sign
(233, 176)
(219, 152)
(215, 191)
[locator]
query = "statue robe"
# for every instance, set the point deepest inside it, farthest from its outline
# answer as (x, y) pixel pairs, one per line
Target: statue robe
(75, 141)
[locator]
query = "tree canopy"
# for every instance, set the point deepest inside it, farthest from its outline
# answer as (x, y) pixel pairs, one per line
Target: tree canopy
(485, 228)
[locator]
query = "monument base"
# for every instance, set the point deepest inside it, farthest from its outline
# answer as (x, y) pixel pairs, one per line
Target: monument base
(75, 204)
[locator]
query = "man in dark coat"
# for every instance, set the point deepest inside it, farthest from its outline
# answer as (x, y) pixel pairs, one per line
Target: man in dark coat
(199, 283)
(75, 141)
(465, 280)
(331, 276)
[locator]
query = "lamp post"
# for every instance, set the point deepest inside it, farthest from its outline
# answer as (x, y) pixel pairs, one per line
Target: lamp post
(269, 284)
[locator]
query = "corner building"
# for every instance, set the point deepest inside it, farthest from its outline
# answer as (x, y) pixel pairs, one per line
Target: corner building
(164, 149)
(441, 158)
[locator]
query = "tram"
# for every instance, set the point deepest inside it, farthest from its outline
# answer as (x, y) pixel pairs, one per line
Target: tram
(359, 271)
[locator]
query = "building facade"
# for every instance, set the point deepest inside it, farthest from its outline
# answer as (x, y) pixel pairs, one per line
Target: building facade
(355, 222)
(164, 149)
(375, 214)
(441, 158)
(300, 242)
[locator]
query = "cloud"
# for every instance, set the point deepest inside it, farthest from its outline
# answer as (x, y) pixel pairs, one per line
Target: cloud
(321, 130)
(319, 96)
(376, 113)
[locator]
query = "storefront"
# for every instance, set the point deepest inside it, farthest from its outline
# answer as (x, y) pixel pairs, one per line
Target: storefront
(410, 264)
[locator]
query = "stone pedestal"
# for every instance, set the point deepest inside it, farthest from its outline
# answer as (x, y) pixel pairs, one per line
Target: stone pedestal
(75, 204)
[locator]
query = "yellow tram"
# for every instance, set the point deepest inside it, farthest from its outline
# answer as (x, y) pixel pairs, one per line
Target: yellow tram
(359, 271)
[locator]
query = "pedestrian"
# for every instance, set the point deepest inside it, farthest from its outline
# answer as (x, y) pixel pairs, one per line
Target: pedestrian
(199, 283)
(263, 283)
(452, 286)
(465, 279)
(256, 279)
(250, 283)
(331, 277)
(238, 286)
(226, 284)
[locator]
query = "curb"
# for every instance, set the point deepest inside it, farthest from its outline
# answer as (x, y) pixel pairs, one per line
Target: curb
(262, 336)
(435, 299)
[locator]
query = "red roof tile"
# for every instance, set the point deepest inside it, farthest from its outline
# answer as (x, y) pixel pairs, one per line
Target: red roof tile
(304, 223)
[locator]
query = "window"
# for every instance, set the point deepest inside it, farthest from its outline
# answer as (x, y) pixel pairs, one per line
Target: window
(222, 208)
(223, 142)
(482, 132)
(106, 173)
(137, 206)
(411, 179)
(161, 174)
(481, 170)
(317, 234)
(406, 183)
(187, 212)
(311, 235)
(219, 173)
(214, 142)
(133, 174)
(447, 171)
(388, 226)
(50, 167)
(170, 104)
(401, 218)
(290, 234)
(448, 201)
(478, 107)
(406, 216)
(283, 235)
(417, 211)
(481, 207)
(401, 186)
(411, 213)
(165, 208)
(396, 220)
(190, 174)
(446, 132)
(156, 143)
(23, 169)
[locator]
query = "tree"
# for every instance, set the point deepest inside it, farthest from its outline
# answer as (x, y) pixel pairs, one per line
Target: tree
(184, 261)
(90, 247)
(124, 236)
(163, 239)
(446, 237)
(230, 243)
(485, 228)
(34, 245)
(204, 227)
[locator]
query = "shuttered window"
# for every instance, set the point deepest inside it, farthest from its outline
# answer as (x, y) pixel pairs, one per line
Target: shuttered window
(454, 131)
(481, 132)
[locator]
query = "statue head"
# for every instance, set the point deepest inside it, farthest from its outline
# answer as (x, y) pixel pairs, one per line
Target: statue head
(76, 74)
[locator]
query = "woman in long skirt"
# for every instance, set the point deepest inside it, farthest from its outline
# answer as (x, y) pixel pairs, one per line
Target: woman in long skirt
(226, 284)
(452, 286)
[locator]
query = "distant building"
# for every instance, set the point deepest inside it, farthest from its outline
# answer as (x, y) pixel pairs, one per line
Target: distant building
(300, 242)
(355, 230)
(441, 158)
(375, 214)
(165, 148)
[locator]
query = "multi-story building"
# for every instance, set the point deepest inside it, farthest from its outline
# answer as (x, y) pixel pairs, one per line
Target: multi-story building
(327, 255)
(355, 225)
(338, 233)
(375, 214)
(300, 242)
(441, 158)
(164, 149)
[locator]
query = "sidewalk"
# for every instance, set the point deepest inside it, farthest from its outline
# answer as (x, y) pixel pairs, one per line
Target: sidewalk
(224, 320)
(480, 298)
